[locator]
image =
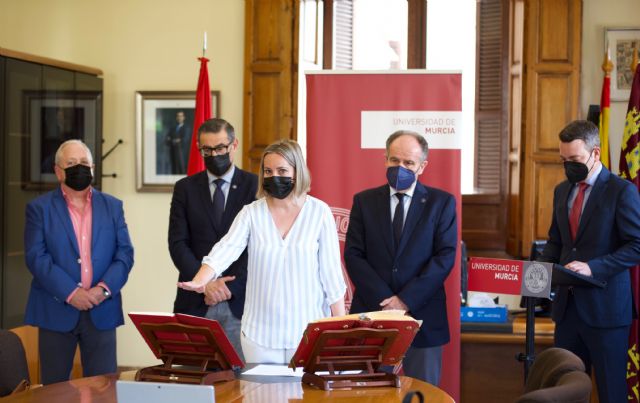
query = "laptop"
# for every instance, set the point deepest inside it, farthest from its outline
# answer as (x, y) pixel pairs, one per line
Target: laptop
(135, 392)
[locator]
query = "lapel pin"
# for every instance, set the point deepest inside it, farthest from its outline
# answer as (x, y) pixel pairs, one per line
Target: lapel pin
(234, 186)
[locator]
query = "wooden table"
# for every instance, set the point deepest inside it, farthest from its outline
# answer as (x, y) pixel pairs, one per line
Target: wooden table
(102, 389)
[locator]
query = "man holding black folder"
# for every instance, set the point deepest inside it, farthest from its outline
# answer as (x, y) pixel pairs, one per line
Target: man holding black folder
(595, 231)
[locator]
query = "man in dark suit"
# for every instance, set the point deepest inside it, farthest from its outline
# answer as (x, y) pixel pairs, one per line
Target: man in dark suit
(595, 231)
(202, 209)
(401, 246)
(178, 140)
(78, 250)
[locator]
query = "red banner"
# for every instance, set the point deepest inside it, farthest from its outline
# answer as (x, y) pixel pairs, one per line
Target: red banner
(348, 118)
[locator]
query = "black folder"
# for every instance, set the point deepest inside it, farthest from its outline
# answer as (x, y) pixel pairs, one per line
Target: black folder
(563, 276)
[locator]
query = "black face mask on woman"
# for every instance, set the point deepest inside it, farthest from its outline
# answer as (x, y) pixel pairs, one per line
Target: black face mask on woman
(576, 171)
(278, 186)
(78, 177)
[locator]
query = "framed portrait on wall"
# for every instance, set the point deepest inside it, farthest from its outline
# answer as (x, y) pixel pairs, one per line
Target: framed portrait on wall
(51, 120)
(620, 43)
(164, 127)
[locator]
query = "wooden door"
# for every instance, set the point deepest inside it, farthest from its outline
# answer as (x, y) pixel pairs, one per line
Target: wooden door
(550, 72)
(270, 82)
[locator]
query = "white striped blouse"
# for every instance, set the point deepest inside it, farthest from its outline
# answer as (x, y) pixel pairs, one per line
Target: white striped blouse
(290, 281)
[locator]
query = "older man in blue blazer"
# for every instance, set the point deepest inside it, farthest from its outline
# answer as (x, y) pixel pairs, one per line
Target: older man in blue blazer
(595, 231)
(78, 250)
(400, 248)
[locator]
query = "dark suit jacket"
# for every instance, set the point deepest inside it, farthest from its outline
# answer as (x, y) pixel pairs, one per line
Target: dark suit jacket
(417, 270)
(192, 234)
(608, 239)
(52, 255)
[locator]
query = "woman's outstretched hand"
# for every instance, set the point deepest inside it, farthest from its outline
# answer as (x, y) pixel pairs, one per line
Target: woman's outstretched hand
(200, 281)
(192, 286)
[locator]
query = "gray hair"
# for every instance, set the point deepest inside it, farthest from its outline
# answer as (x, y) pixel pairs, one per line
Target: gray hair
(68, 142)
(581, 130)
(419, 138)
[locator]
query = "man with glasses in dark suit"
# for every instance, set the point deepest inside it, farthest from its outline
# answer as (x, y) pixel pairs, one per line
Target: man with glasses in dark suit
(202, 209)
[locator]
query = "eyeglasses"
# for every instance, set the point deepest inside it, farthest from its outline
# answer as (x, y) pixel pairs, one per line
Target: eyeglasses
(217, 150)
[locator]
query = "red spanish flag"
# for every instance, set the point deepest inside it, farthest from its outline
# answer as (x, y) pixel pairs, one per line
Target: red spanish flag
(203, 112)
(629, 169)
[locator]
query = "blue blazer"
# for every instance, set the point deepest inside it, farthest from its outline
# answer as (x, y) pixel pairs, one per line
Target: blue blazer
(192, 234)
(608, 239)
(417, 270)
(52, 256)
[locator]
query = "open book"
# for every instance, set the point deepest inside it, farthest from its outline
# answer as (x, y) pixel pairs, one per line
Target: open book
(195, 337)
(403, 328)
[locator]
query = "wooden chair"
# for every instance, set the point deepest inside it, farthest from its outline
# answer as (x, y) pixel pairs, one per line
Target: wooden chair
(13, 363)
(29, 337)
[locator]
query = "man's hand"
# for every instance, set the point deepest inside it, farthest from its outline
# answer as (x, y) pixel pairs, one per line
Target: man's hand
(217, 291)
(579, 267)
(98, 293)
(393, 303)
(83, 300)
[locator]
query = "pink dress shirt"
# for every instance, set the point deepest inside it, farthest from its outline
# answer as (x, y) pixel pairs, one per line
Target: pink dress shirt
(82, 225)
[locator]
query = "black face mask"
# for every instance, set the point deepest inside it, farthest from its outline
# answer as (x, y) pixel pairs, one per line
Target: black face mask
(278, 186)
(218, 164)
(576, 171)
(78, 177)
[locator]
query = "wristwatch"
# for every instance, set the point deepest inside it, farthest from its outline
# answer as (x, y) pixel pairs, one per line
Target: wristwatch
(105, 292)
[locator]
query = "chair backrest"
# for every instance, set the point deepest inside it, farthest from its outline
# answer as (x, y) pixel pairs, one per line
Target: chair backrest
(13, 362)
(572, 387)
(557, 375)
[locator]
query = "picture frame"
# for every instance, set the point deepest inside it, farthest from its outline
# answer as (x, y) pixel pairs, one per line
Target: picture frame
(52, 118)
(164, 127)
(619, 43)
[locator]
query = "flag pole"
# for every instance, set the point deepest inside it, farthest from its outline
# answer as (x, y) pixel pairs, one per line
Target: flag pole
(605, 106)
(202, 113)
(204, 45)
(634, 59)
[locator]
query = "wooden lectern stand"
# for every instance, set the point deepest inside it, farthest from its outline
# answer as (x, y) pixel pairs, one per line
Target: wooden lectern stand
(354, 343)
(193, 350)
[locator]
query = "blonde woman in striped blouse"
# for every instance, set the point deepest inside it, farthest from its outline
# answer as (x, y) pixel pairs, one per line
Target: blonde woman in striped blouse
(294, 274)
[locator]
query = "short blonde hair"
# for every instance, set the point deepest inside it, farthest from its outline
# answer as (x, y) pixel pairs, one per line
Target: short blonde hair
(291, 152)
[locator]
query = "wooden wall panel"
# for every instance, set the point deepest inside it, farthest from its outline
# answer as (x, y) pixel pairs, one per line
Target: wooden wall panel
(266, 86)
(516, 101)
(481, 230)
(549, 175)
(266, 36)
(553, 31)
(271, 75)
(552, 116)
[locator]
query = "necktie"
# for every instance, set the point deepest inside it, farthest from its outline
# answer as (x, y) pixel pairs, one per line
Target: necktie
(218, 201)
(398, 219)
(576, 210)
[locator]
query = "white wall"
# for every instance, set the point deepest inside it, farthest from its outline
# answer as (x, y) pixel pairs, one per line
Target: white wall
(596, 16)
(140, 45)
